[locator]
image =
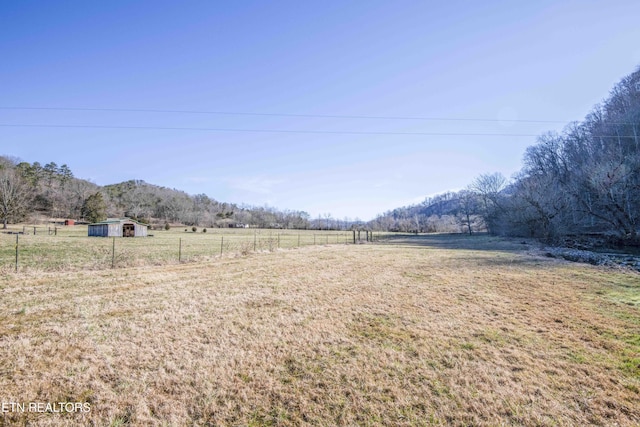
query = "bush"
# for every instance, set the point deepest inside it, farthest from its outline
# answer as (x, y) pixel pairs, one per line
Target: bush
(204, 230)
(194, 229)
(167, 226)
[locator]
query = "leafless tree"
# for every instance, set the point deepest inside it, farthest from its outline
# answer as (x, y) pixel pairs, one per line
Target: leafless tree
(14, 196)
(468, 211)
(489, 188)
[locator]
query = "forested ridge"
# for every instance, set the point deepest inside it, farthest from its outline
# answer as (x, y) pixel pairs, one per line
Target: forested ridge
(33, 192)
(583, 182)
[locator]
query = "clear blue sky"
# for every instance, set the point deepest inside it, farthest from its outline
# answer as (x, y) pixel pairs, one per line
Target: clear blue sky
(496, 60)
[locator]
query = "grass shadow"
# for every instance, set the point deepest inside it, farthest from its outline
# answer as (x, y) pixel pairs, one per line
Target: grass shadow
(475, 242)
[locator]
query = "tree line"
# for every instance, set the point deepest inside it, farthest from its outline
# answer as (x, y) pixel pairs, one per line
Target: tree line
(579, 183)
(32, 192)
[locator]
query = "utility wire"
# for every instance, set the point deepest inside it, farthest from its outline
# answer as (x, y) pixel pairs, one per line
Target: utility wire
(259, 130)
(321, 116)
(208, 129)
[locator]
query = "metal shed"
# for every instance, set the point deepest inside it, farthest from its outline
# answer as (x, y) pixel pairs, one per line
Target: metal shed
(118, 227)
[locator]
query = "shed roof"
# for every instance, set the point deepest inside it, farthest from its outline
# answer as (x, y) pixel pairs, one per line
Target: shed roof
(116, 221)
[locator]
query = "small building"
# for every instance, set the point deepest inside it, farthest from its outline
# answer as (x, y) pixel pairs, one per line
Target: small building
(69, 222)
(238, 225)
(118, 227)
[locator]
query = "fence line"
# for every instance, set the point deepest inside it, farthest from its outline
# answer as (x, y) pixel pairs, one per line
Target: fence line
(41, 248)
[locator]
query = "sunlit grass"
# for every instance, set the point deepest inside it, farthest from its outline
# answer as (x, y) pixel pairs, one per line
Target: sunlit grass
(438, 330)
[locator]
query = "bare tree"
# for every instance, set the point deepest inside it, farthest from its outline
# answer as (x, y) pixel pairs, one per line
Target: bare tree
(468, 209)
(14, 196)
(489, 188)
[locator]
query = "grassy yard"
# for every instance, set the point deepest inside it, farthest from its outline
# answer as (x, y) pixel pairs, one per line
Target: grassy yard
(435, 330)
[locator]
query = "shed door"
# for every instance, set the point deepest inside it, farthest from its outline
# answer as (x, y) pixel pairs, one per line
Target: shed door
(128, 230)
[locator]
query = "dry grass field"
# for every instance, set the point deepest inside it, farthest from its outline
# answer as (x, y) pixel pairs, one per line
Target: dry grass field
(436, 330)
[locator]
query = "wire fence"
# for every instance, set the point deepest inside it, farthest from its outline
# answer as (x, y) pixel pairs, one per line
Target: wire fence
(37, 248)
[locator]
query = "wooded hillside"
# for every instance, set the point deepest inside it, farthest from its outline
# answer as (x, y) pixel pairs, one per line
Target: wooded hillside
(31, 191)
(584, 181)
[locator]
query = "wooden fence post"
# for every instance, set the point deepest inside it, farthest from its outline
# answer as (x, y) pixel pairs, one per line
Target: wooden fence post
(113, 253)
(17, 252)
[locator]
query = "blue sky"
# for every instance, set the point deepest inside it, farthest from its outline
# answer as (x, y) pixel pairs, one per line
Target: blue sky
(494, 60)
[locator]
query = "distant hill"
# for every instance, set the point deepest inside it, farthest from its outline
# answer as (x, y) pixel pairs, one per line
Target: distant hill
(53, 191)
(449, 212)
(578, 185)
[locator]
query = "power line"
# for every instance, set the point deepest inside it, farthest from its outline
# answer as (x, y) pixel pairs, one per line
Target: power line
(321, 116)
(261, 130)
(321, 132)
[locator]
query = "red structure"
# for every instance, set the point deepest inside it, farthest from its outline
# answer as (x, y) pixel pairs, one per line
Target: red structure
(69, 222)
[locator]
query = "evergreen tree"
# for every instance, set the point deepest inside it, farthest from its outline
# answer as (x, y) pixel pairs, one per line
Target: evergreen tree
(94, 208)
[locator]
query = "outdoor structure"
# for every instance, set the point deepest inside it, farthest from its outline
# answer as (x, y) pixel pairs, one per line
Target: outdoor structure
(118, 227)
(238, 225)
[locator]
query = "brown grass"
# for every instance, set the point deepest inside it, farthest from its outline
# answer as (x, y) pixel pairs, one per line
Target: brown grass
(433, 332)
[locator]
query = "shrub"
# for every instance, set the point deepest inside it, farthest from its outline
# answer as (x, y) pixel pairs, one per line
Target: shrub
(204, 230)
(167, 226)
(194, 229)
